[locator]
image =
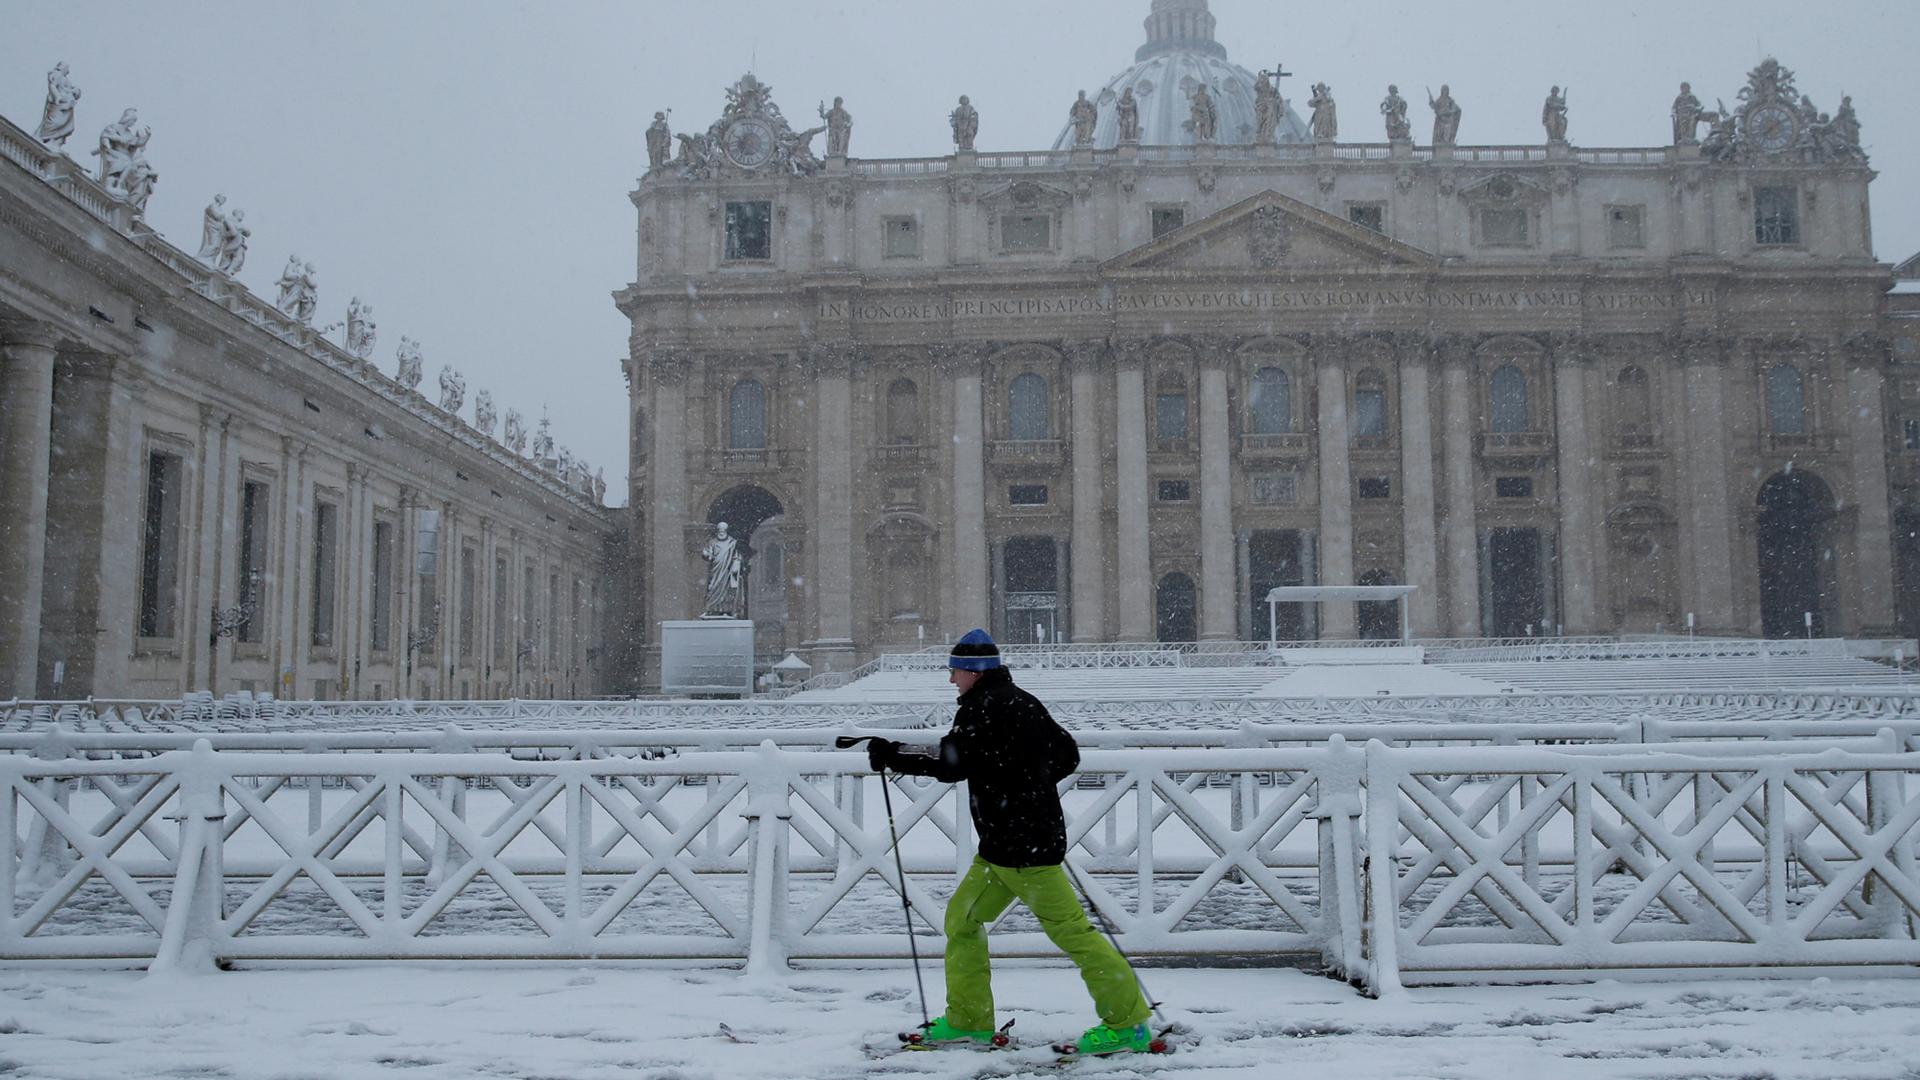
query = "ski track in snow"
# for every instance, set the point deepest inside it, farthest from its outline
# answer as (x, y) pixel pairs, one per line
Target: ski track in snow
(438, 1022)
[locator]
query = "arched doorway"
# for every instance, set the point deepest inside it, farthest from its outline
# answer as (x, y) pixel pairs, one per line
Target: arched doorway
(1174, 609)
(1795, 512)
(754, 515)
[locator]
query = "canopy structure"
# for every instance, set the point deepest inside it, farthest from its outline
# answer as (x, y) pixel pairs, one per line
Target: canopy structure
(1313, 594)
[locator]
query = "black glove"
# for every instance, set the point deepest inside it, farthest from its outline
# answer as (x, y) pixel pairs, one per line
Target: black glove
(881, 754)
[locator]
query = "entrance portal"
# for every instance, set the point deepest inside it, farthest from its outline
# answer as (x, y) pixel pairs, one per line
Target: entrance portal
(1031, 573)
(1174, 609)
(1516, 584)
(1795, 510)
(1274, 559)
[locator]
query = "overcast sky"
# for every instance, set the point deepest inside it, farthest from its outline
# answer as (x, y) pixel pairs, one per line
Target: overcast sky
(464, 166)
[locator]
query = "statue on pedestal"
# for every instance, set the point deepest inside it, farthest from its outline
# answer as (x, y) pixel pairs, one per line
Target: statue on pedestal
(289, 286)
(213, 230)
(515, 435)
(124, 171)
(1446, 116)
(1553, 115)
(1394, 108)
(839, 128)
(453, 389)
(233, 248)
(360, 328)
(543, 441)
(1204, 117)
(1083, 116)
(1267, 107)
(1686, 117)
(56, 123)
(483, 413)
(966, 124)
(725, 572)
(1127, 112)
(659, 142)
(408, 354)
(1326, 122)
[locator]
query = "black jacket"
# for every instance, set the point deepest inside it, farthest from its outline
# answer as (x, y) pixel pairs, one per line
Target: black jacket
(1013, 755)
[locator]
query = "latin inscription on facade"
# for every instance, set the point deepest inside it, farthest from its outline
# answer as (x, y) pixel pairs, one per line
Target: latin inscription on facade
(1356, 300)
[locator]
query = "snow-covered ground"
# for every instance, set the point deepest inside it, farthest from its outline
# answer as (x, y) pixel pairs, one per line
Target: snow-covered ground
(581, 1023)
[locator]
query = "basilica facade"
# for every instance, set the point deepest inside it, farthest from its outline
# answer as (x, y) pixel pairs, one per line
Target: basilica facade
(1203, 346)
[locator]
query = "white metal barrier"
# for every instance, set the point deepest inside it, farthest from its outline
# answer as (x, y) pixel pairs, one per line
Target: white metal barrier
(1388, 863)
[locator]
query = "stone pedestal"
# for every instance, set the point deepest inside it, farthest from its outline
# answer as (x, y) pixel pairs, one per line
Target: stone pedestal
(706, 656)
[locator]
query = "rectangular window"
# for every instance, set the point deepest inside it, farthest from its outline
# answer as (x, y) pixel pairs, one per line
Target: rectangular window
(1168, 218)
(500, 591)
(1175, 491)
(326, 563)
(749, 230)
(1370, 413)
(1026, 232)
(426, 569)
(1906, 350)
(1503, 227)
(1910, 429)
(1170, 416)
(902, 237)
(529, 625)
(553, 619)
(1272, 489)
(1027, 495)
(1625, 227)
(1513, 487)
(255, 500)
(1776, 215)
(1368, 216)
(469, 601)
(160, 547)
(1375, 487)
(380, 628)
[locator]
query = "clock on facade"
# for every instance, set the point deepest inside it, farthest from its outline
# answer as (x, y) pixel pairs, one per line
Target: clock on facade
(1772, 127)
(749, 143)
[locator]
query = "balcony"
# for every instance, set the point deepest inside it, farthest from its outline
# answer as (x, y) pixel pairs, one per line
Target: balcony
(900, 456)
(1806, 442)
(1016, 453)
(1515, 445)
(751, 461)
(1292, 444)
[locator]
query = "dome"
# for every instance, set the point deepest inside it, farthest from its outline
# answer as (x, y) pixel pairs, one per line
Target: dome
(1181, 52)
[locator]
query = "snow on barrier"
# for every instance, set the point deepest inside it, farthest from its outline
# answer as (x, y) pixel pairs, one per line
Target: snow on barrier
(1390, 864)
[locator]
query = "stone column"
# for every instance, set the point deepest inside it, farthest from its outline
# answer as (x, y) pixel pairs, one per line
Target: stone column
(1135, 570)
(833, 506)
(1579, 533)
(1873, 524)
(969, 492)
(1336, 489)
(1462, 566)
(668, 513)
(1087, 555)
(1218, 595)
(1706, 507)
(26, 448)
(1421, 540)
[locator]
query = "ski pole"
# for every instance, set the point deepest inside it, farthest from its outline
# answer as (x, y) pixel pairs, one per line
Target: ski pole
(847, 742)
(1108, 928)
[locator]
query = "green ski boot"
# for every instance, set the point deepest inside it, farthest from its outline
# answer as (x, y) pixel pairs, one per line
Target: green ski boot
(938, 1032)
(1101, 1040)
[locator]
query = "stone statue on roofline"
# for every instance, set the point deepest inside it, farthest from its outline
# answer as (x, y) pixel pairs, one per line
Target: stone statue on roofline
(600, 486)
(361, 331)
(839, 127)
(515, 435)
(1326, 122)
(213, 230)
(1687, 115)
(1083, 116)
(124, 171)
(1553, 115)
(1446, 116)
(56, 123)
(659, 142)
(1394, 108)
(1267, 107)
(233, 246)
(453, 389)
(1203, 115)
(1126, 112)
(407, 353)
(289, 285)
(543, 441)
(965, 120)
(483, 413)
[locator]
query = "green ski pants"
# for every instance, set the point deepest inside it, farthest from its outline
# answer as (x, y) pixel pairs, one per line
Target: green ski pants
(982, 895)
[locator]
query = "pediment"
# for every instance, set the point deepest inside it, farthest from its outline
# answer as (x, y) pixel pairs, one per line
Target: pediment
(1025, 194)
(1269, 232)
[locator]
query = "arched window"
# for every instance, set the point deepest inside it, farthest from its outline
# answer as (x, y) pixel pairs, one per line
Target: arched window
(1173, 609)
(1786, 400)
(1370, 405)
(1507, 396)
(903, 412)
(1027, 408)
(1634, 409)
(1170, 407)
(1272, 402)
(747, 416)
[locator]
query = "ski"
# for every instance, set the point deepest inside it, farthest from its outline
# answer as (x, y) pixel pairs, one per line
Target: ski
(1070, 1052)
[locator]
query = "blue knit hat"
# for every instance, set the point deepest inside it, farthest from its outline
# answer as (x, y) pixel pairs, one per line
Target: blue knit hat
(975, 652)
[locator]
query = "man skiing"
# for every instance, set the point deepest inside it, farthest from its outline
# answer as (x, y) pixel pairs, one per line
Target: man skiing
(1013, 755)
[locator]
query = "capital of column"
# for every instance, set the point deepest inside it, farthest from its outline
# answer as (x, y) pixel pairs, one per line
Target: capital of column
(1866, 352)
(1085, 354)
(669, 365)
(832, 359)
(1452, 350)
(960, 357)
(1697, 350)
(27, 334)
(1131, 352)
(1332, 349)
(1571, 349)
